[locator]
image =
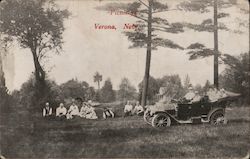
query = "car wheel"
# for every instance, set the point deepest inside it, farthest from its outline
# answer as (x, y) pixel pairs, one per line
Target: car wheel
(161, 120)
(147, 117)
(218, 118)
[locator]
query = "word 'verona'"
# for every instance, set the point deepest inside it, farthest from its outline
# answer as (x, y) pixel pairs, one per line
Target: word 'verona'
(110, 27)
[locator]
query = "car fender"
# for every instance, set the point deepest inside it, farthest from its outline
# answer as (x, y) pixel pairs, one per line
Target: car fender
(171, 116)
(214, 110)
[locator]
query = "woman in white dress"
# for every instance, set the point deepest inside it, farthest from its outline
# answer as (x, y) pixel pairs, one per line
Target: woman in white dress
(88, 112)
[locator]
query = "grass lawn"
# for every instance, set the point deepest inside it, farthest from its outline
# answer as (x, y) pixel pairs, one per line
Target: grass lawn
(127, 137)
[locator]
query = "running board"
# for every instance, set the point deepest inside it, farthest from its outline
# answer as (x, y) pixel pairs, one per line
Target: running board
(185, 121)
(190, 121)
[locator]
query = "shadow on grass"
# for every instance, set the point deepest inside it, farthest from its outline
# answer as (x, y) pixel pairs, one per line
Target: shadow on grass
(239, 121)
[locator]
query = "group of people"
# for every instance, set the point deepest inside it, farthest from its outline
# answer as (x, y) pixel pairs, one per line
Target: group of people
(86, 111)
(130, 110)
(213, 95)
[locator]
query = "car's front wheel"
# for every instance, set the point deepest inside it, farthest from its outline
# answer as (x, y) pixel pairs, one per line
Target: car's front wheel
(161, 120)
(218, 118)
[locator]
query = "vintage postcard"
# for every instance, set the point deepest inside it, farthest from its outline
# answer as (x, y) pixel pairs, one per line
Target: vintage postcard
(124, 79)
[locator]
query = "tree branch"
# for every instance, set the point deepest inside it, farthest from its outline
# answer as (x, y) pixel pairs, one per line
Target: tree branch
(143, 3)
(164, 11)
(138, 17)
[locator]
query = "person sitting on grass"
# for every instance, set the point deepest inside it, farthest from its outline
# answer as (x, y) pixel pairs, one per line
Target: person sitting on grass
(61, 111)
(128, 109)
(47, 110)
(138, 110)
(73, 111)
(87, 111)
(108, 113)
(83, 111)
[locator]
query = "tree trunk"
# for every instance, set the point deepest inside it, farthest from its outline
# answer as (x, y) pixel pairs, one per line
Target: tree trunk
(98, 82)
(39, 72)
(2, 79)
(40, 84)
(248, 76)
(148, 56)
(216, 52)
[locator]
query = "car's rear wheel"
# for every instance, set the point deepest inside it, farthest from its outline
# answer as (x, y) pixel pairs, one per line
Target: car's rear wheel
(218, 118)
(161, 120)
(147, 117)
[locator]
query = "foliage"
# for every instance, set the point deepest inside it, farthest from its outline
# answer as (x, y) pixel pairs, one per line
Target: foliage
(73, 89)
(199, 89)
(202, 6)
(126, 90)
(39, 24)
(197, 50)
(236, 76)
(207, 86)
(153, 89)
(107, 92)
(140, 10)
(36, 25)
(26, 95)
(187, 82)
(98, 78)
(97, 96)
(6, 100)
(148, 30)
(90, 93)
(172, 85)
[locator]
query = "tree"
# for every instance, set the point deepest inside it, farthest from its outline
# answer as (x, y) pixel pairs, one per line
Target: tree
(25, 96)
(153, 89)
(90, 93)
(126, 90)
(147, 32)
(236, 76)
(207, 86)
(6, 99)
(73, 89)
(172, 86)
(107, 92)
(199, 89)
(36, 25)
(98, 79)
(186, 82)
(198, 50)
(4, 96)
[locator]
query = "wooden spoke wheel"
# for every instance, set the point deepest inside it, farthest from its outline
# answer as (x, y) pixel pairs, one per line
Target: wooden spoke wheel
(218, 118)
(161, 120)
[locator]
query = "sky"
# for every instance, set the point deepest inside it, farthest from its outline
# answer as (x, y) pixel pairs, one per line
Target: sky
(87, 50)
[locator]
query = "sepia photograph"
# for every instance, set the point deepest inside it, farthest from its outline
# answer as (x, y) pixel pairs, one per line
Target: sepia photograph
(124, 79)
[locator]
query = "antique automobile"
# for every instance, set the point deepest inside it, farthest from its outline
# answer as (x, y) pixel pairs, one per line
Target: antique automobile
(203, 111)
